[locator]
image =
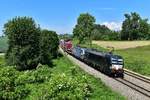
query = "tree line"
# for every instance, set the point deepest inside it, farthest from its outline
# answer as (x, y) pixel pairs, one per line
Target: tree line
(28, 44)
(133, 28)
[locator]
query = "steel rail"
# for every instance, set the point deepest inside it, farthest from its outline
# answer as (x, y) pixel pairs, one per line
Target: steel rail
(135, 87)
(137, 76)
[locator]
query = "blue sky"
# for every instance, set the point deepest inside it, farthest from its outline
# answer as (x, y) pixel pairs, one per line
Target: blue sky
(61, 15)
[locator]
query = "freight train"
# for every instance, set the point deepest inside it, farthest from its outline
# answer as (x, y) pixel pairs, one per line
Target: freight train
(105, 62)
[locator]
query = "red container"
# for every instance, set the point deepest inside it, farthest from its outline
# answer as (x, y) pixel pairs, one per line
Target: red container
(68, 45)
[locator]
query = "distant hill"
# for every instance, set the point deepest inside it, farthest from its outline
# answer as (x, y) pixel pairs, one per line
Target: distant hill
(3, 44)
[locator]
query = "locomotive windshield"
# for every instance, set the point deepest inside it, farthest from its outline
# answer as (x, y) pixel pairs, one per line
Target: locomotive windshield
(118, 61)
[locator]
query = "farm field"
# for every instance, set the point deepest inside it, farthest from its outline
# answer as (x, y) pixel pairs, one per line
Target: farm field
(45, 83)
(121, 44)
(135, 53)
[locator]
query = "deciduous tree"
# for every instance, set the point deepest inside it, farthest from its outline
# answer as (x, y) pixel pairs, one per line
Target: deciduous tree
(134, 27)
(83, 29)
(48, 46)
(23, 39)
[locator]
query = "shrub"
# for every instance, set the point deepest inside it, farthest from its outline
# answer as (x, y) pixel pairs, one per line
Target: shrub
(23, 42)
(13, 84)
(48, 46)
(62, 87)
(9, 89)
(39, 75)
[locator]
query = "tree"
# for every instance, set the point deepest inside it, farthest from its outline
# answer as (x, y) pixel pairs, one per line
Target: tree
(144, 31)
(100, 32)
(83, 29)
(134, 27)
(23, 40)
(65, 36)
(114, 35)
(48, 46)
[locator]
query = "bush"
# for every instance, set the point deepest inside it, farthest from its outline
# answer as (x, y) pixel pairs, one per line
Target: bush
(23, 40)
(62, 87)
(13, 84)
(9, 89)
(48, 46)
(39, 75)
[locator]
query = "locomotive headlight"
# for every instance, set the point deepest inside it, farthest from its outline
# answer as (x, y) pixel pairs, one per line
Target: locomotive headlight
(117, 67)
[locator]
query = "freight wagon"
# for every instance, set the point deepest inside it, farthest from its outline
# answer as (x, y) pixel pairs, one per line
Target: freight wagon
(66, 45)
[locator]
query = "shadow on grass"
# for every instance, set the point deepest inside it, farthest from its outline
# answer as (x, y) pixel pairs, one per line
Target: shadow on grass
(59, 56)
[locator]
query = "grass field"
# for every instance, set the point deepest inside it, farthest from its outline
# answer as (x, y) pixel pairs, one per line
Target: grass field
(137, 59)
(121, 44)
(135, 53)
(63, 66)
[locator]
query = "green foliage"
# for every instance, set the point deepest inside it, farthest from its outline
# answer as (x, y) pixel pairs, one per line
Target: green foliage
(3, 44)
(40, 75)
(13, 84)
(48, 46)
(9, 88)
(135, 28)
(101, 32)
(23, 39)
(83, 29)
(62, 87)
(114, 35)
(144, 31)
(65, 36)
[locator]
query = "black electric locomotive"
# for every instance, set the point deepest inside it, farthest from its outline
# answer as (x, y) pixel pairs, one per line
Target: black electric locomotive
(105, 62)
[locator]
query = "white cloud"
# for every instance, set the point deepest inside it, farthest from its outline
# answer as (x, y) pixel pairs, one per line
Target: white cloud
(113, 25)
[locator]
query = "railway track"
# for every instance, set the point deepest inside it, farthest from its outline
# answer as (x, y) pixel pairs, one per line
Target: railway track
(137, 76)
(135, 86)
